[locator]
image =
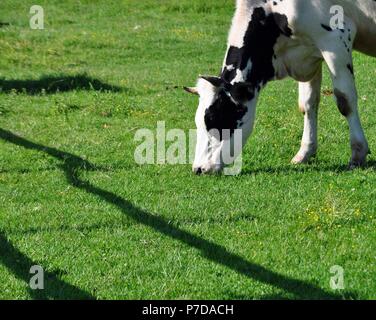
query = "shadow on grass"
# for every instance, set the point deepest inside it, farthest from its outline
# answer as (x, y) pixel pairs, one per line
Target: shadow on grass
(19, 264)
(321, 167)
(55, 84)
(282, 296)
(71, 165)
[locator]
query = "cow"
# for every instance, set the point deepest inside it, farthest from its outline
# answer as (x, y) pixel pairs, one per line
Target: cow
(274, 39)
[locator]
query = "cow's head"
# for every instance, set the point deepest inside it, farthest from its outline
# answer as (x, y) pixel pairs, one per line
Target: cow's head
(223, 108)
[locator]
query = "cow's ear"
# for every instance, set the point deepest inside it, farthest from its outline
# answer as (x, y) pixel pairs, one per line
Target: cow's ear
(215, 81)
(192, 90)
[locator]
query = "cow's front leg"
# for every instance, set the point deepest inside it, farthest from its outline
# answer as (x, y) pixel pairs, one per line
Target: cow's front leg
(339, 60)
(309, 100)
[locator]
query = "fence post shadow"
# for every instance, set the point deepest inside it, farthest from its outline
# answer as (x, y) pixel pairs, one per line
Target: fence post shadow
(71, 165)
(19, 264)
(50, 84)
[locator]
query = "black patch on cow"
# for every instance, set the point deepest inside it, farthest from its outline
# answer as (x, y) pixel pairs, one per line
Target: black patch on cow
(259, 40)
(234, 55)
(228, 75)
(342, 103)
(224, 114)
(242, 92)
(283, 24)
(327, 28)
(351, 68)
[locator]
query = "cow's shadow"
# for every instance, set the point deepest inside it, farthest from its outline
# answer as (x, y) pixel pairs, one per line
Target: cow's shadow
(56, 83)
(72, 165)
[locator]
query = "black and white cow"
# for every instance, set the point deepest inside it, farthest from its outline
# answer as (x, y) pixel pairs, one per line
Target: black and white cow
(274, 39)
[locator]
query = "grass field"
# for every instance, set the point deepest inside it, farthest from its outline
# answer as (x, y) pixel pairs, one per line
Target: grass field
(74, 201)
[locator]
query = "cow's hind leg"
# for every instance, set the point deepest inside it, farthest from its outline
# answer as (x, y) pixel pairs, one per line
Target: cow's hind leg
(338, 56)
(309, 100)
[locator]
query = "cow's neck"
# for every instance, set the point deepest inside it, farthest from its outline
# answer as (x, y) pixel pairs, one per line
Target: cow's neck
(250, 54)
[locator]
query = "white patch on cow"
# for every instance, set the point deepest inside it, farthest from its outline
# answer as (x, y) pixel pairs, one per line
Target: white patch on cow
(241, 75)
(239, 25)
(207, 94)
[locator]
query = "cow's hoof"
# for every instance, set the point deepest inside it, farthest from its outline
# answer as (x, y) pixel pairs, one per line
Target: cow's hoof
(354, 164)
(360, 151)
(302, 158)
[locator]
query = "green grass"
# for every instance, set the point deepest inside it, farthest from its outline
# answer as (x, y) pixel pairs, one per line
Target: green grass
(74, 201)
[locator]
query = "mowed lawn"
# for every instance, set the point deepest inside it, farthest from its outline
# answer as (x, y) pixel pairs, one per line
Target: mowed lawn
(73, 200)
